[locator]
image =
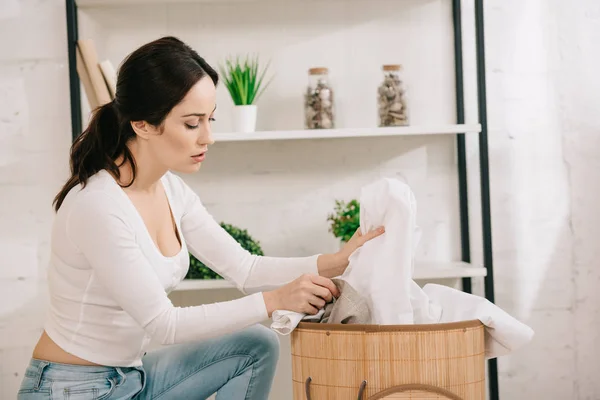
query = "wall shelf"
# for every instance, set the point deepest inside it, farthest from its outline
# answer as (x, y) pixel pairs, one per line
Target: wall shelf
(83, 4)
(348, 133)
(423, 271)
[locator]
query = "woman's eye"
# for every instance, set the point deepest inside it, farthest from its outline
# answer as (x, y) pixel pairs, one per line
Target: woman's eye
(189, 126)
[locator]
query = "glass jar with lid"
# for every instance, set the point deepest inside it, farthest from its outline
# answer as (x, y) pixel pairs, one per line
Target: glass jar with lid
(318, 100)
(391, 98)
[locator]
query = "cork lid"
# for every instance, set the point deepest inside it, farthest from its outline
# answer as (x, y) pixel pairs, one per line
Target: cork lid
(318, 71)
(392, 67)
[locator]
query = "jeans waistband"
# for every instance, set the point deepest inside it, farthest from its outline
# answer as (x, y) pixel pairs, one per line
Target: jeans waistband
(70, 372)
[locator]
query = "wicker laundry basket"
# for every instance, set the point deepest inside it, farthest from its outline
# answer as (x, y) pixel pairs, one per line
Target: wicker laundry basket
(368, 362)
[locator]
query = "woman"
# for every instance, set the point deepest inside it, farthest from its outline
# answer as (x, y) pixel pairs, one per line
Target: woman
(120, 242)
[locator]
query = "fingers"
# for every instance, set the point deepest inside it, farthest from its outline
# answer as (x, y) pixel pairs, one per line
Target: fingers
(372, 234)
(315, 292)
(323, 293)
(310, 310)
(326, 283)
(317, 302)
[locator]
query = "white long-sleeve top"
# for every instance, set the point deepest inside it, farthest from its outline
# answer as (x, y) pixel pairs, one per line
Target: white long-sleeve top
(109, 282)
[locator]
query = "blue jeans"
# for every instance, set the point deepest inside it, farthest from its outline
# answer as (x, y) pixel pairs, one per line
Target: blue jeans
(236, 366)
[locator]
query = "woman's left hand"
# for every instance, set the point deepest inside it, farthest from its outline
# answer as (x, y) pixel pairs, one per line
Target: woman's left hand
(357, 240)
(331, 265)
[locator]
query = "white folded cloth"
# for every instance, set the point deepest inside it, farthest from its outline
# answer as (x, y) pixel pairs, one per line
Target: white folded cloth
(284, 322)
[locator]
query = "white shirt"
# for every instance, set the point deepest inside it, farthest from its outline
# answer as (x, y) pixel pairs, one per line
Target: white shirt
(109, 282)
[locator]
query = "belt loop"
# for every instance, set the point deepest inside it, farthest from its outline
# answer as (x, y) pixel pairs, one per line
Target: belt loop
(42, 365)
(122, 375)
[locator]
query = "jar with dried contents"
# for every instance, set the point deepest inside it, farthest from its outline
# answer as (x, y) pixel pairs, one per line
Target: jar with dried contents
(392, 105)
(318, 100)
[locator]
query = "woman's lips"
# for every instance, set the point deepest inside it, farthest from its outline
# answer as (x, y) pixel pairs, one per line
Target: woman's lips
(199, 157)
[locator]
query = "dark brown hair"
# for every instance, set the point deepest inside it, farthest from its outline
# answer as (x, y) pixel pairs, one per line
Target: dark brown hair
(151, 81)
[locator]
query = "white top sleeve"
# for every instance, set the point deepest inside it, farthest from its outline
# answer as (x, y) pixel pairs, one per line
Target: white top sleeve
(100, 229)
(212, 245)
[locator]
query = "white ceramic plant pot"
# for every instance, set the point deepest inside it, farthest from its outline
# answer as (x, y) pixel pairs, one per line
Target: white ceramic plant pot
(244, 118)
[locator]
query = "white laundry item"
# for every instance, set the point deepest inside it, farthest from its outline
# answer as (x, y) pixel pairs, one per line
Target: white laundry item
(382, 271)
(503, 333)
(425, 311)
(382, 268)
(284, 322)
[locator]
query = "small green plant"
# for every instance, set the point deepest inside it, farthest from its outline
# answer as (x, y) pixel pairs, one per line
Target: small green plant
(345, 219)
(199, 270)
(243, 81)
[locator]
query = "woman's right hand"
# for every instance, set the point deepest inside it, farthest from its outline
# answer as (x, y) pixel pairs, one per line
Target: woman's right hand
(306, 294)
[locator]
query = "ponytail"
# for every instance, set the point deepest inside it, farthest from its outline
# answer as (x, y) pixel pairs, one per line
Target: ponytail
(97, 148)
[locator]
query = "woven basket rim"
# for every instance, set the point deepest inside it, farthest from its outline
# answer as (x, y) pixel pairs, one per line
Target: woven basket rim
(446, 326)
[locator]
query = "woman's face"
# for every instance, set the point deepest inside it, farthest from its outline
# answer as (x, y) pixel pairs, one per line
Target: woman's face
(182, 142)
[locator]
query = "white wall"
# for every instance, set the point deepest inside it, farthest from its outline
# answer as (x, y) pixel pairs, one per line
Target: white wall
(34, 138)
(541, 90)
(544, 162)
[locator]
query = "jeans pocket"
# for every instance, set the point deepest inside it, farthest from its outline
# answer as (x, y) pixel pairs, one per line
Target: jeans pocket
(92, 390)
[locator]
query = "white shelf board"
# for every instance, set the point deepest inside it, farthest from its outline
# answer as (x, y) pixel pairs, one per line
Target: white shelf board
(82, 4)
(423, 271)
(447, 270)
(418, 130)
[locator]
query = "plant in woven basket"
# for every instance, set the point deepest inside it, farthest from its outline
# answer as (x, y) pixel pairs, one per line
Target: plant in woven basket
(345, 219)
(198, 270)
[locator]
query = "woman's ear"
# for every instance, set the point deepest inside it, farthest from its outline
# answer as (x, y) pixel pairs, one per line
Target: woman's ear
(142, 129)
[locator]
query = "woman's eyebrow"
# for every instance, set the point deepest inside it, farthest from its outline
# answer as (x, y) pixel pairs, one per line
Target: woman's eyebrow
(198, 114)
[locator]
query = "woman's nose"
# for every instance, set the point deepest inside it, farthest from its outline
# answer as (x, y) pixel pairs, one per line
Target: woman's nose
(207, 137)
(210, 139)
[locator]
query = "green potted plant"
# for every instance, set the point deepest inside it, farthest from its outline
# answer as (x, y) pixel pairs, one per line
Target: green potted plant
(345, 219)
(198, 270)
(245, 85)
